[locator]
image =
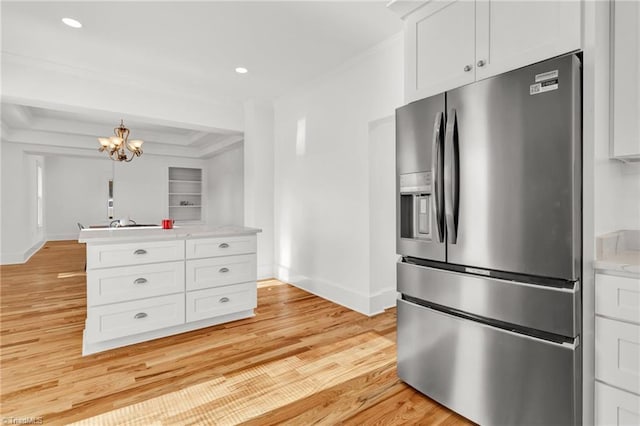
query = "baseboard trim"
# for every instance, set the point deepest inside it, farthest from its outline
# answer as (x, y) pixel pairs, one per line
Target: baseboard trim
(33, 250)
(12, 258)
(382, 300)
(63, 237)
(265, 271)
(17, 258)
(369, 305)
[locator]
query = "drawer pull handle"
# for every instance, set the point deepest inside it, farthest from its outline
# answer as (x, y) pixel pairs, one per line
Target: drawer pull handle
(140, 315)
(224, 270)
(140, 281)
(224, 245)
(140, 251)
(224, 300)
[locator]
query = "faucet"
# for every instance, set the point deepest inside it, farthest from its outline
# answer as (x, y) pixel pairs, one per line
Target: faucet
(118, 223)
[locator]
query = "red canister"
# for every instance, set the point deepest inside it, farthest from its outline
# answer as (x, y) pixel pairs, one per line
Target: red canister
(167, 223)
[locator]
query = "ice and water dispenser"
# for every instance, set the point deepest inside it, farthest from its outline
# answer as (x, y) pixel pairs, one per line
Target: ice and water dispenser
(415, 202)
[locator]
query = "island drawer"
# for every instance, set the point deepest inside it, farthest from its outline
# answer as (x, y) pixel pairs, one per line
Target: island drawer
(222, 246)
(213, 302)
(126, 283)
(128, 318)
(107, 255)
(618, 297)
(220, 271)
(618, 353)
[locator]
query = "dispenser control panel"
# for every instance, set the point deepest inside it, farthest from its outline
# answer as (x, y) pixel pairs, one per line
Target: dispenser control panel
(415, 182)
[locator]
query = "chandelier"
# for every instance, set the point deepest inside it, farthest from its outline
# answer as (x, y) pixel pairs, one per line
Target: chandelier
(115, 145)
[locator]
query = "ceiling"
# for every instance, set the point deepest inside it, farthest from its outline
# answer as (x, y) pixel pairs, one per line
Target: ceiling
(192, 48)
(80, 129)
(196, 46)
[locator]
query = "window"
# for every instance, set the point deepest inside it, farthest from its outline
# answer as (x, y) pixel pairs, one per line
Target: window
(39, 191)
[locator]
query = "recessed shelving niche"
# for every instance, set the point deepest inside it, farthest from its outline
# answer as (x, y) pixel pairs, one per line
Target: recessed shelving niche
(185, 194)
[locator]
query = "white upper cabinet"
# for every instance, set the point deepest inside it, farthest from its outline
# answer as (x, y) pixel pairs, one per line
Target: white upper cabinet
(452, 43)
(512, 34)
(626, 73)
(440, 48)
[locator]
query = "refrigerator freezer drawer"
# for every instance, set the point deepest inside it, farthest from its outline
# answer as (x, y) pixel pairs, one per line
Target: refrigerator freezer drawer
(488, 375)
(549, 309)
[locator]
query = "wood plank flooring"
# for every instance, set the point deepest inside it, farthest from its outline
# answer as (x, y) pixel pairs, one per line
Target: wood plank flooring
(301, 360)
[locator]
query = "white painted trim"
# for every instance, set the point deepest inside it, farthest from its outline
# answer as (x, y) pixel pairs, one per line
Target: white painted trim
(11, 258)
(17, 258)
(265, 271)
(31, 251)
(382, 300)
(63, 237)
(369, 305)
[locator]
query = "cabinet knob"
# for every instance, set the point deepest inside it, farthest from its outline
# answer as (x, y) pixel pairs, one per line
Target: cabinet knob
(140, 281)
(224, 300)
(467, 68)
(481, 63)
(223, 245)
(140, 251)
(140, 315)
(224, 270)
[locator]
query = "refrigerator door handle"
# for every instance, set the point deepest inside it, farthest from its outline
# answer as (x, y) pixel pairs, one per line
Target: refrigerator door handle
(451, 181)
(436, 173)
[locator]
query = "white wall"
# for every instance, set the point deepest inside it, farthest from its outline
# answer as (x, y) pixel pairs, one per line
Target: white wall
(21, 236)
(258, 179)
(382, 213)
(76, 191)
(322, 154)
(225, 187)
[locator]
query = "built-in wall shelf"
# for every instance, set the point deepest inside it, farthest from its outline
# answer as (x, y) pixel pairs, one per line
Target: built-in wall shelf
(185, 194)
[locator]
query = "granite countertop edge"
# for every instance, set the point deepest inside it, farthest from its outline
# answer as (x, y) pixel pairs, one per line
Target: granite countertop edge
(618, 253)
(122, 235)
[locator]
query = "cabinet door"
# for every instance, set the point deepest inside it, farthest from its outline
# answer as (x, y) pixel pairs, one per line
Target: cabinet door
(618, 353)
(512, 34)
(440, 48)
(626, 73)
(615, 407)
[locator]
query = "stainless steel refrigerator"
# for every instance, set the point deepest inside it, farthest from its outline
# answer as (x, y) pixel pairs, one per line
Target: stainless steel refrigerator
(489, 229)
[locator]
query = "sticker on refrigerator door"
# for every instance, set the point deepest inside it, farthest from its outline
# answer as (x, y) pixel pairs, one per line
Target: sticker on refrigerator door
(549, 75)
(545, 86)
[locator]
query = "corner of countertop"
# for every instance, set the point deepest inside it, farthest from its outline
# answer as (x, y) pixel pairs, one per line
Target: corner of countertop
(618, 251)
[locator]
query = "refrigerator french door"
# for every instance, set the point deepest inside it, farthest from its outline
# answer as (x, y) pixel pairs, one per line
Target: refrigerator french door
(489, 229)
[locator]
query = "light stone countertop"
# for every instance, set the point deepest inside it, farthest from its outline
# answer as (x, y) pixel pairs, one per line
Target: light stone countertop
(156, 233)
(619, 252)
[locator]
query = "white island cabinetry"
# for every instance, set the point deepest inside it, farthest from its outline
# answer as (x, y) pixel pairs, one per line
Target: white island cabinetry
(617, 392)
(144, 284)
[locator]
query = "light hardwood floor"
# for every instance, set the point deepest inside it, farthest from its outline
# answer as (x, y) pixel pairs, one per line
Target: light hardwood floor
(300, 360)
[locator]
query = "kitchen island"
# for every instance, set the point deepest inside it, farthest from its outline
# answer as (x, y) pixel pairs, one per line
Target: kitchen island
(146, 283)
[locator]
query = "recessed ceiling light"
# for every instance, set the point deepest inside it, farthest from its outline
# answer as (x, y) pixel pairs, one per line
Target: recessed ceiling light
(72, 22)
(242, 70)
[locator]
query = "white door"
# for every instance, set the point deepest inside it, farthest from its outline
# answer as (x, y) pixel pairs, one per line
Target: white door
(440, 48)
(512, 34)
